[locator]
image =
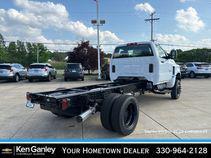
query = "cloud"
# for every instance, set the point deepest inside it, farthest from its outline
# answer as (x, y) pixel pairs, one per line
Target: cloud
(32, 18)
(182, 1)
(206, 42)
(172, 41)
(176, 41)
(146, 7)
(171, 38)
(189, 20)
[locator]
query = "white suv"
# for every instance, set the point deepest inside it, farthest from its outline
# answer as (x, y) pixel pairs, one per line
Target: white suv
(13, 72)
(198, 69)
(41, 71)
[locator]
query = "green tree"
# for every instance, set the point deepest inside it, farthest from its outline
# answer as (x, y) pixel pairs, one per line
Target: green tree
(44, 53)
(3, 54)
(200, 55)
(12, 52)
(21, 52)
(58, 56)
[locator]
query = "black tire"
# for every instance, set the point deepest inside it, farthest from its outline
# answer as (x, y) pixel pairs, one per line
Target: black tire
(207, 76)
(105, 114)
(125, 114)
(49, 77)
(16, 78)
(82, 79)
(176, 90)
(192, 74)
(30, 80)
(65, 79)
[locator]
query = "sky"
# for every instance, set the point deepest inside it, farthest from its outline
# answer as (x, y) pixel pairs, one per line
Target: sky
(182, 22)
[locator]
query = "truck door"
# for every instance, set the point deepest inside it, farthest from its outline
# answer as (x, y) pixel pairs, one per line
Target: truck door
(165, 66)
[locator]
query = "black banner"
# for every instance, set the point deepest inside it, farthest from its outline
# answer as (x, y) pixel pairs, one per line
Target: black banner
(107, 150)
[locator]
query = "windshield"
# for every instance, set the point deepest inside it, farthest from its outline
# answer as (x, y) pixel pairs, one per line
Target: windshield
(140, 50)
(74, 66)
(36, 66)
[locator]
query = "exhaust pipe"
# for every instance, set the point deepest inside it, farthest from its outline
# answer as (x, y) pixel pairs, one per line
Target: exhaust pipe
(85, 115)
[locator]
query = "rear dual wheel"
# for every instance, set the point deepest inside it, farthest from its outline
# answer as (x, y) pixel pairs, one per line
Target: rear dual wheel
(120, 113)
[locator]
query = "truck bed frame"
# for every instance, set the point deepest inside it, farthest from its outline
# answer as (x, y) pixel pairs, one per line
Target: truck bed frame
(119, 109)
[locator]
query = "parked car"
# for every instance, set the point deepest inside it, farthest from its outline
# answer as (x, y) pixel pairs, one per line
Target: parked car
(105, 72)
(183, 69)
(73, 71)
(13, 72)
(198, 69)
(41, 71)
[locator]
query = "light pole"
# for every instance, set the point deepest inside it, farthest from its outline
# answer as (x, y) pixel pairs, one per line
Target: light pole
(37, 54)
(98, 23)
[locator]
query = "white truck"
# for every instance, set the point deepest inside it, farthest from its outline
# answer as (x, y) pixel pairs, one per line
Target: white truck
(146, 61)
(135, 68)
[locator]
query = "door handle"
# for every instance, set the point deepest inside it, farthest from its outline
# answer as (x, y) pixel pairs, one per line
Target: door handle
(162, 61)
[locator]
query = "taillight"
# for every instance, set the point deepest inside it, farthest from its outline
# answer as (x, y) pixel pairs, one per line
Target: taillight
(65, 104)
(132, 44)
(28, 97)
(45, 69)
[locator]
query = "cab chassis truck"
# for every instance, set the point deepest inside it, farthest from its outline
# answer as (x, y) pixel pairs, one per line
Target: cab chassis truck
(135, 68)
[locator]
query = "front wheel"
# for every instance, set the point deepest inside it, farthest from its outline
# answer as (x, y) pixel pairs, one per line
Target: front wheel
(176, 90)
(192, 74)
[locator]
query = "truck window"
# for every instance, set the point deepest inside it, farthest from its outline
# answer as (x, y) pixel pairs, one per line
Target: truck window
(73, 66)
(161, 52)
(138, 50)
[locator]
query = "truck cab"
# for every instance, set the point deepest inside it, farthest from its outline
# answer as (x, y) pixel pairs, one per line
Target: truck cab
(146, 61)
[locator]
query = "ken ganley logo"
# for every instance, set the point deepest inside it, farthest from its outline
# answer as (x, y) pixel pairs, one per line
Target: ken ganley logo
(34, 150)
(6, 151)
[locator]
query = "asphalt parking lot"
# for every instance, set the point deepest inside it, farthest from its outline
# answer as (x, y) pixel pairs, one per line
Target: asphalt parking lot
(160, 117)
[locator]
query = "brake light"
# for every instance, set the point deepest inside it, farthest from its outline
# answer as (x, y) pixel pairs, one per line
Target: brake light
(45, 69)
(65, 104)
(28, 97)
(132, 44)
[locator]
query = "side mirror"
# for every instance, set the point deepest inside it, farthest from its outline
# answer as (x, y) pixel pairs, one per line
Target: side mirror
(173, 54)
